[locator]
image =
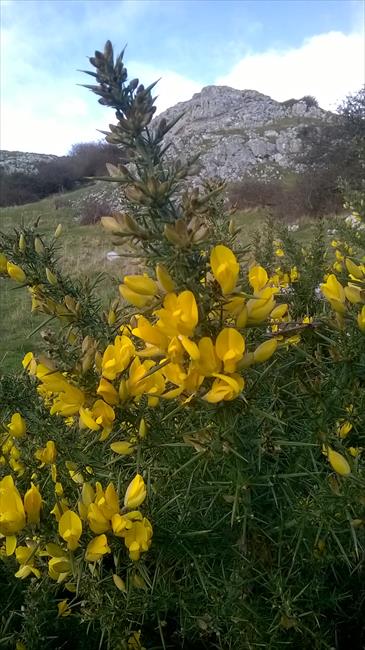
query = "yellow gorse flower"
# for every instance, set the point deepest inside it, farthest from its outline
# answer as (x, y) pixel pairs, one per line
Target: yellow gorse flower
(15, 272)
(224, 388)
(33, 504)
(361, 319)
(333, 290)
(117, 357)
(17, 426)
(179, 314)
(107, 391)
(63, 608)
(70, 529)
(265, 350)
(99, 418)
(26, 556)
(229, 347)
(134, 642)
(258, 309)
(47, 455)
(338, 462)
(12, 513)
(139, 290)
(97, 548)
(356, 271)
(164, 279)
(138, 538)
(225, 268)
(135, 493)
(257, 278)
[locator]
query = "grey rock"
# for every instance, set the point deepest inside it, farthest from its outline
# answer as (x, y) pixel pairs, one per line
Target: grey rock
(23, 162)
(236, 130)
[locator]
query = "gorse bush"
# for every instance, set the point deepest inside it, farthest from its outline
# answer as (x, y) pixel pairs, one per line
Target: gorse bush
(185, 469)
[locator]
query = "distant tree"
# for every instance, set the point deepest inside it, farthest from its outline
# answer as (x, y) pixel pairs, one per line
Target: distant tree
(310, 101)
(352, 112)
(90, 158)
(339, 145)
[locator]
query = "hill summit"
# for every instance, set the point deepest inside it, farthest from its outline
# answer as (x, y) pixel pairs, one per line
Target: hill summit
(241, 131)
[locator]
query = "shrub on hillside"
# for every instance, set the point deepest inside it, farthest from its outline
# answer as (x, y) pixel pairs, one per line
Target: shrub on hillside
(185, 468)
(90, 158)
(338, 146)
(308, 194)
(86, 159)
(52, 177)
(310, 101)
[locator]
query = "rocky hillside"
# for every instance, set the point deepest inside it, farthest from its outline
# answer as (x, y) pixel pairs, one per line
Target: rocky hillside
(236, 132)
(12, 162)
(241, 131)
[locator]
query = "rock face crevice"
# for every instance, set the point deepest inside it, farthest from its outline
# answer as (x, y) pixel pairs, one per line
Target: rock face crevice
(241, 131)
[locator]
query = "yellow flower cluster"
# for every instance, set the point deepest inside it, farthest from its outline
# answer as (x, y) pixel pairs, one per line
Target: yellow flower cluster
(10, 452)
(341, 297)
(14, 271)
(162, 353)
(98, 510)
(187, 360)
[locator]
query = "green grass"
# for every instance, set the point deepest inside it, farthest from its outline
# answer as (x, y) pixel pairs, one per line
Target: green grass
(82, 253)
(287, 122)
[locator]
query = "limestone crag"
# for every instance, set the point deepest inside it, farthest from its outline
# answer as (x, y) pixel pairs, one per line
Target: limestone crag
(22, 162)
(239, 131)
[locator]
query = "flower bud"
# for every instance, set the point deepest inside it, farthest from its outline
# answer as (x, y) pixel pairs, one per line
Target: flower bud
(3, 263)
(38, 245)
(338, 462)
(22, 243)
(143, 429)
(33, 504)
(135, 493)
(119, 583)
(122, 447)
(58, 231)
(264, 351)
(164, 279)
(51, 277)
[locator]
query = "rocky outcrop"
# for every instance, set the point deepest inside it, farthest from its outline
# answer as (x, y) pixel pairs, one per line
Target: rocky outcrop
(236, 132)
(22, 162)
(239, 131)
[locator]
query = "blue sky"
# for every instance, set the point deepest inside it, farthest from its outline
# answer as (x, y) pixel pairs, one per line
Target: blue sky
(284, 48)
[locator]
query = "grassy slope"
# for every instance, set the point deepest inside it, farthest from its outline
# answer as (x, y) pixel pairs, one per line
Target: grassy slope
(83, 253)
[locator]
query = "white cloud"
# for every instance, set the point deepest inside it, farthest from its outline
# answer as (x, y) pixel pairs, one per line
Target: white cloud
(57, 114)
(171, 88)
(328, 66)
(53, 133)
